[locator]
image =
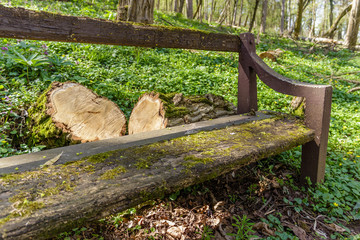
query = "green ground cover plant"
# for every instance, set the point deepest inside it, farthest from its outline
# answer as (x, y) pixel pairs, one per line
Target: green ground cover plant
(122, 74)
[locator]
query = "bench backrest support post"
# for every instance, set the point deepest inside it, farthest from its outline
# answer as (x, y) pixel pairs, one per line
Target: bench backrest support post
(247, 87)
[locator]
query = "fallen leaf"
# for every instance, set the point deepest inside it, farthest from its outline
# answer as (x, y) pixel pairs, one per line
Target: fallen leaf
(336, 228)
(264, 228)
(298, 231)
(52, 161)
(175, 232)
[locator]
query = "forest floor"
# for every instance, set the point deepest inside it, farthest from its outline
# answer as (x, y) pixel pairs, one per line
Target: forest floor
(263, 199)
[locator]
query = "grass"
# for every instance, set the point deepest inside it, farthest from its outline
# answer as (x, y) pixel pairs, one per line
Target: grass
(122, 74)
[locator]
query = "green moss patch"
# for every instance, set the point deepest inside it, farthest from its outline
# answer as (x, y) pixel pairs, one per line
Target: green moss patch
(112, 173)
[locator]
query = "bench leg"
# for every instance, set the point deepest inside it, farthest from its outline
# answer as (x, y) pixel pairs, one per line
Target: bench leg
(317, 117)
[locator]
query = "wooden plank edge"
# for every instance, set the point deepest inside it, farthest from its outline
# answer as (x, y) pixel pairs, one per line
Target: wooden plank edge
(25, 162)
(20, 23)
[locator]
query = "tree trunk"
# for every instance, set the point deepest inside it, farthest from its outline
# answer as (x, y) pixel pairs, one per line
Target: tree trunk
(240, 12)
(289, 17)
(254, 15)
(122, 10)
(233, 21)
(141, 11)
(158, 5)
(331, 13)
(213, 5)
(197, 9)
(176, 7)
(181, 6)
(353, 26)
(313, 21)
(263, 17)
(331, 32)
(282, 24)
(189, 9)
(69, 112)
(297, 29)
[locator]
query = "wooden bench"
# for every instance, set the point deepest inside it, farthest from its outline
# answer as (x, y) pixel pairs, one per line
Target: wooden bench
(93, 180)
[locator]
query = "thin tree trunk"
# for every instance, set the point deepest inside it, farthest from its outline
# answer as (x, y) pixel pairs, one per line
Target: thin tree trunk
(158, 5)
(301, 7)
(331, 13)
(313, 20)
(197, 9)
(246, 19)
(189, 9)
(176, 5)
(181, 6)
(254, 15)
(233, 22)
(263, 17)
(331, 32)
(289, 21)
(282, 23)
(213, 4)
(240, 14)
(353, 26)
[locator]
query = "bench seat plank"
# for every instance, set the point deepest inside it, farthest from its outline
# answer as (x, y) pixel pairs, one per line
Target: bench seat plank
(43, 202)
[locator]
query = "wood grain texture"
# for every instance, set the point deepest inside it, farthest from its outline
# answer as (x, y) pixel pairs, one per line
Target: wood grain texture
(63, 196)
(82, 113)
(20, 23)
(147, 115)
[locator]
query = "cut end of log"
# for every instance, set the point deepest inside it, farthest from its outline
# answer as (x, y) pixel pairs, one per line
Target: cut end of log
(272, 55)
(82, 113)
(147, 115)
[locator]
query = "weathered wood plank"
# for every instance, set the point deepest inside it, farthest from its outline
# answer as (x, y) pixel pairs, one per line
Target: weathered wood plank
(42, 203)
(20, 23)
(25, 162)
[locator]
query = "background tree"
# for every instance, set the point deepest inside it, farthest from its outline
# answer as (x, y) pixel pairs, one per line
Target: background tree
(254, 15)
(136, 11)
(301, 7)
(263, 16)
(353, 26)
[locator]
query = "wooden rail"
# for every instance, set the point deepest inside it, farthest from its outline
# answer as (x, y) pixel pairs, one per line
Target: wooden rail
(20, 23)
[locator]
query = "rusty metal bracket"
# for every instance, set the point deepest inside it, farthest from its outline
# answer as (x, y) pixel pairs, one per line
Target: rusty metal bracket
(317, 110)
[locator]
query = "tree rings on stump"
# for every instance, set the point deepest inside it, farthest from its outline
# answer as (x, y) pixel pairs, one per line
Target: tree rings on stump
(147, 115)
(86, 116)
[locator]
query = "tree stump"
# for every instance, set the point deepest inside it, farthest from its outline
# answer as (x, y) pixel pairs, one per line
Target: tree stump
(157, 111)
(68, 112)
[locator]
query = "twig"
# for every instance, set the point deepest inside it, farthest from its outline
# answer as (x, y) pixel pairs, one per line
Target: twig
(335, 77)
(267, 202)
(167, 21)
(354, 89)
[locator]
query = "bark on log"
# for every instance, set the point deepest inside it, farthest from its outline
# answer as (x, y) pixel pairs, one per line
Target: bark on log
(41, 203)
(157, 111)
(69, 112)
(180, 109)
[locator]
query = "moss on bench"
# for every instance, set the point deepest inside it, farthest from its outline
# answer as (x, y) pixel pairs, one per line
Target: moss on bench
(94, 186)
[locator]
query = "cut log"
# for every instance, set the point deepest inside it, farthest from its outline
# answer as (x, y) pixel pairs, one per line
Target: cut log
(157, 111)
(41, 203)
(272, 55)
(69, 112)
(147, 115)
